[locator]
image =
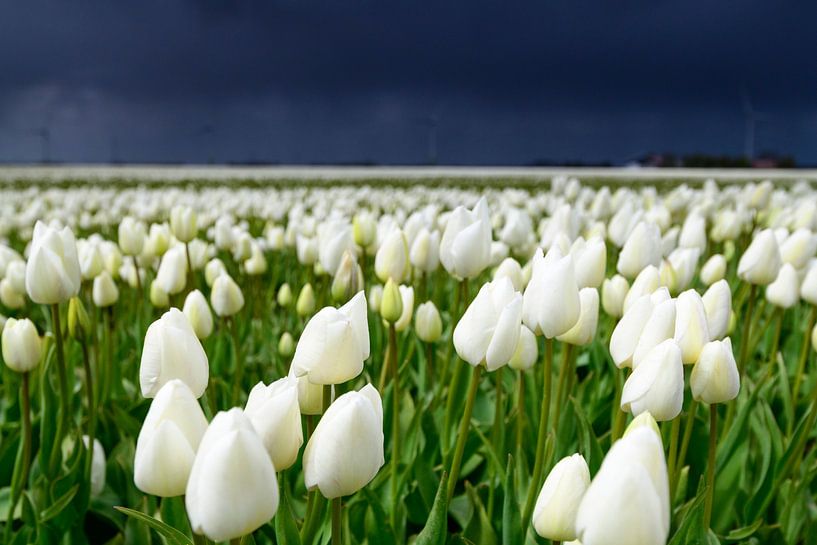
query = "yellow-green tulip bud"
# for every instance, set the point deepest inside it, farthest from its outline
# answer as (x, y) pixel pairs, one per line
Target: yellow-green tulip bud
(286, 345)
(391, 306)
(79, 324)
(306, 301)
(348, 278)
(284, 296)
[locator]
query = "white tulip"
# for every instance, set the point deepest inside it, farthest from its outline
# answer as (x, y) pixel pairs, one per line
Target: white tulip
(613, 292)
(624, 338)
(643, 248)
(798, 248)
(761, 261)
(713, 270)
(198, 314)
(718, 306)
(659, 327)
(715, 377)
(554, 516)
(657, 384)
(784, 292)
(172, 274)
(527, 351)
(98, 466)
(22, 346)
(276, 416)
(589, 261)
(465, 247)
(9, 297)
(183, 223)
(583, 332)
(226, 297)
(691, 326)
(427, 322)
(551, 304)
(392, 258)
(647, 281)
(808, 289)
(52, 269)
(425, 250)
(105, 292)
(132, 235)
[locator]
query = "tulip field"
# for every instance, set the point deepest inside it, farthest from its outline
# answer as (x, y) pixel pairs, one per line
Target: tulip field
(442, 361)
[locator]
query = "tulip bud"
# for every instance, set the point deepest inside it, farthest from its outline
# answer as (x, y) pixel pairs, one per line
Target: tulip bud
(334, 238)
(551, 304)
(257, 263)
(198, 314)
(391, 305)
(613, 292)
(427, 323)
(784, 292)
(232, 469)
(656, 384)
(814, 338)
(310, 396)
(132, 235)
(183, 223)
(526, 353)
(510, 269)
(645, 283)
(590, 261)
(172, 274)
(334, 344)
(392, 258)
(306, 301)
(105, 292)
(713, 270)
(643, 420)
(659, 327)
(808, 290)
(345, 451)
(624, 339)
(168, 440)
(158, 240)
(214, 268)
(691, 328)
(425, 250)
(584, 331)
(275, 415)
(306, 249)
(718, 306)
(488, 331)
(554, 516)
(226, 296)
(286, 345)
(407, 304)
(158, 296)
(643, 248)
(465, 248)
(348, 278)
(715, 377)
(284, 296)
(364, 229)
(171, 351)
(98, 466)
(22, 346)
(11, 298)
(761, 262)
(375, 298)
(52, 269)
(799, 248)
(79, 324)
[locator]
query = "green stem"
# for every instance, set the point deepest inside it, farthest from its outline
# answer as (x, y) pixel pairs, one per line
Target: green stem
(538, 465)
(496, 437)
(65, 411)
(337, 521)
(239, 362)
(672, 458)
(801, 361)
(138, 278)
(465, 423)
(620, 416)
(777, 316)
(747, 322)
(710, 469)
(395, 426)
(89, 391)
(689, 424)
(560, 389)
(520, 414)
(429, 366)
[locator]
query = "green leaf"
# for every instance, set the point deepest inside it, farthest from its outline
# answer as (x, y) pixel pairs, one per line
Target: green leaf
(480, 528)
(691, 529)
(511, 526)
(61, 503)
(173, 536)
(739, 534)
(435, 529)
(286, 532)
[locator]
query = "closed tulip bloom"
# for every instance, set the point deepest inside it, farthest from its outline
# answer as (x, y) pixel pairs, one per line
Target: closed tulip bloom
(286, 345)
(761, 262)
(183, 223)
(613, 292)
(427, 323)
(784, 292)
(348, 279)
(22, 346)
(691, 327)
(98, 465)
(551, 304)
(391, 304)
(306, 248)
(9, 297)
(643, 247)
(489, 330)
(659, 327)
(644, 420)
(172, 351)
(158, 240)
(306, 301)
(223, 233)
(172, 274)
(158, 296)
(589, 261)
(808, 289)
(334, 344)
(554, 516)
(111, 257)
(226, 296)
(375, 298)
(198, 314)
(584, 331)
(624, 338)
(684, 263)
(668, 277)
(132, 235)
(232, 489)
(105, 292)
(52, 269)
(715, 377)
(407, 300)
(392, 258)
(334, 238)
(713, 270)
(345, 451)
(168, 441)
(645, 283)
(718, 306)
(693, 233)
(814, 338)
(90, 258)
(257, 263)
(465, 247)
(364, 229)
(16, 275)
(621, 507)
(310, 396)
(798, 248)
(656, 384)
(425, 250)
(527, 351)
(276, 416)
(510, 269)
(214, 268)
(284, 295)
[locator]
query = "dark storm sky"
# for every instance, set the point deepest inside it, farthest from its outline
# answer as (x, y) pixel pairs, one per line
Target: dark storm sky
(340, 81)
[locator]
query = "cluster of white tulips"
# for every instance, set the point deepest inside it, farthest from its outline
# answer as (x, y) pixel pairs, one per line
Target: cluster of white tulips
(277, 347)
